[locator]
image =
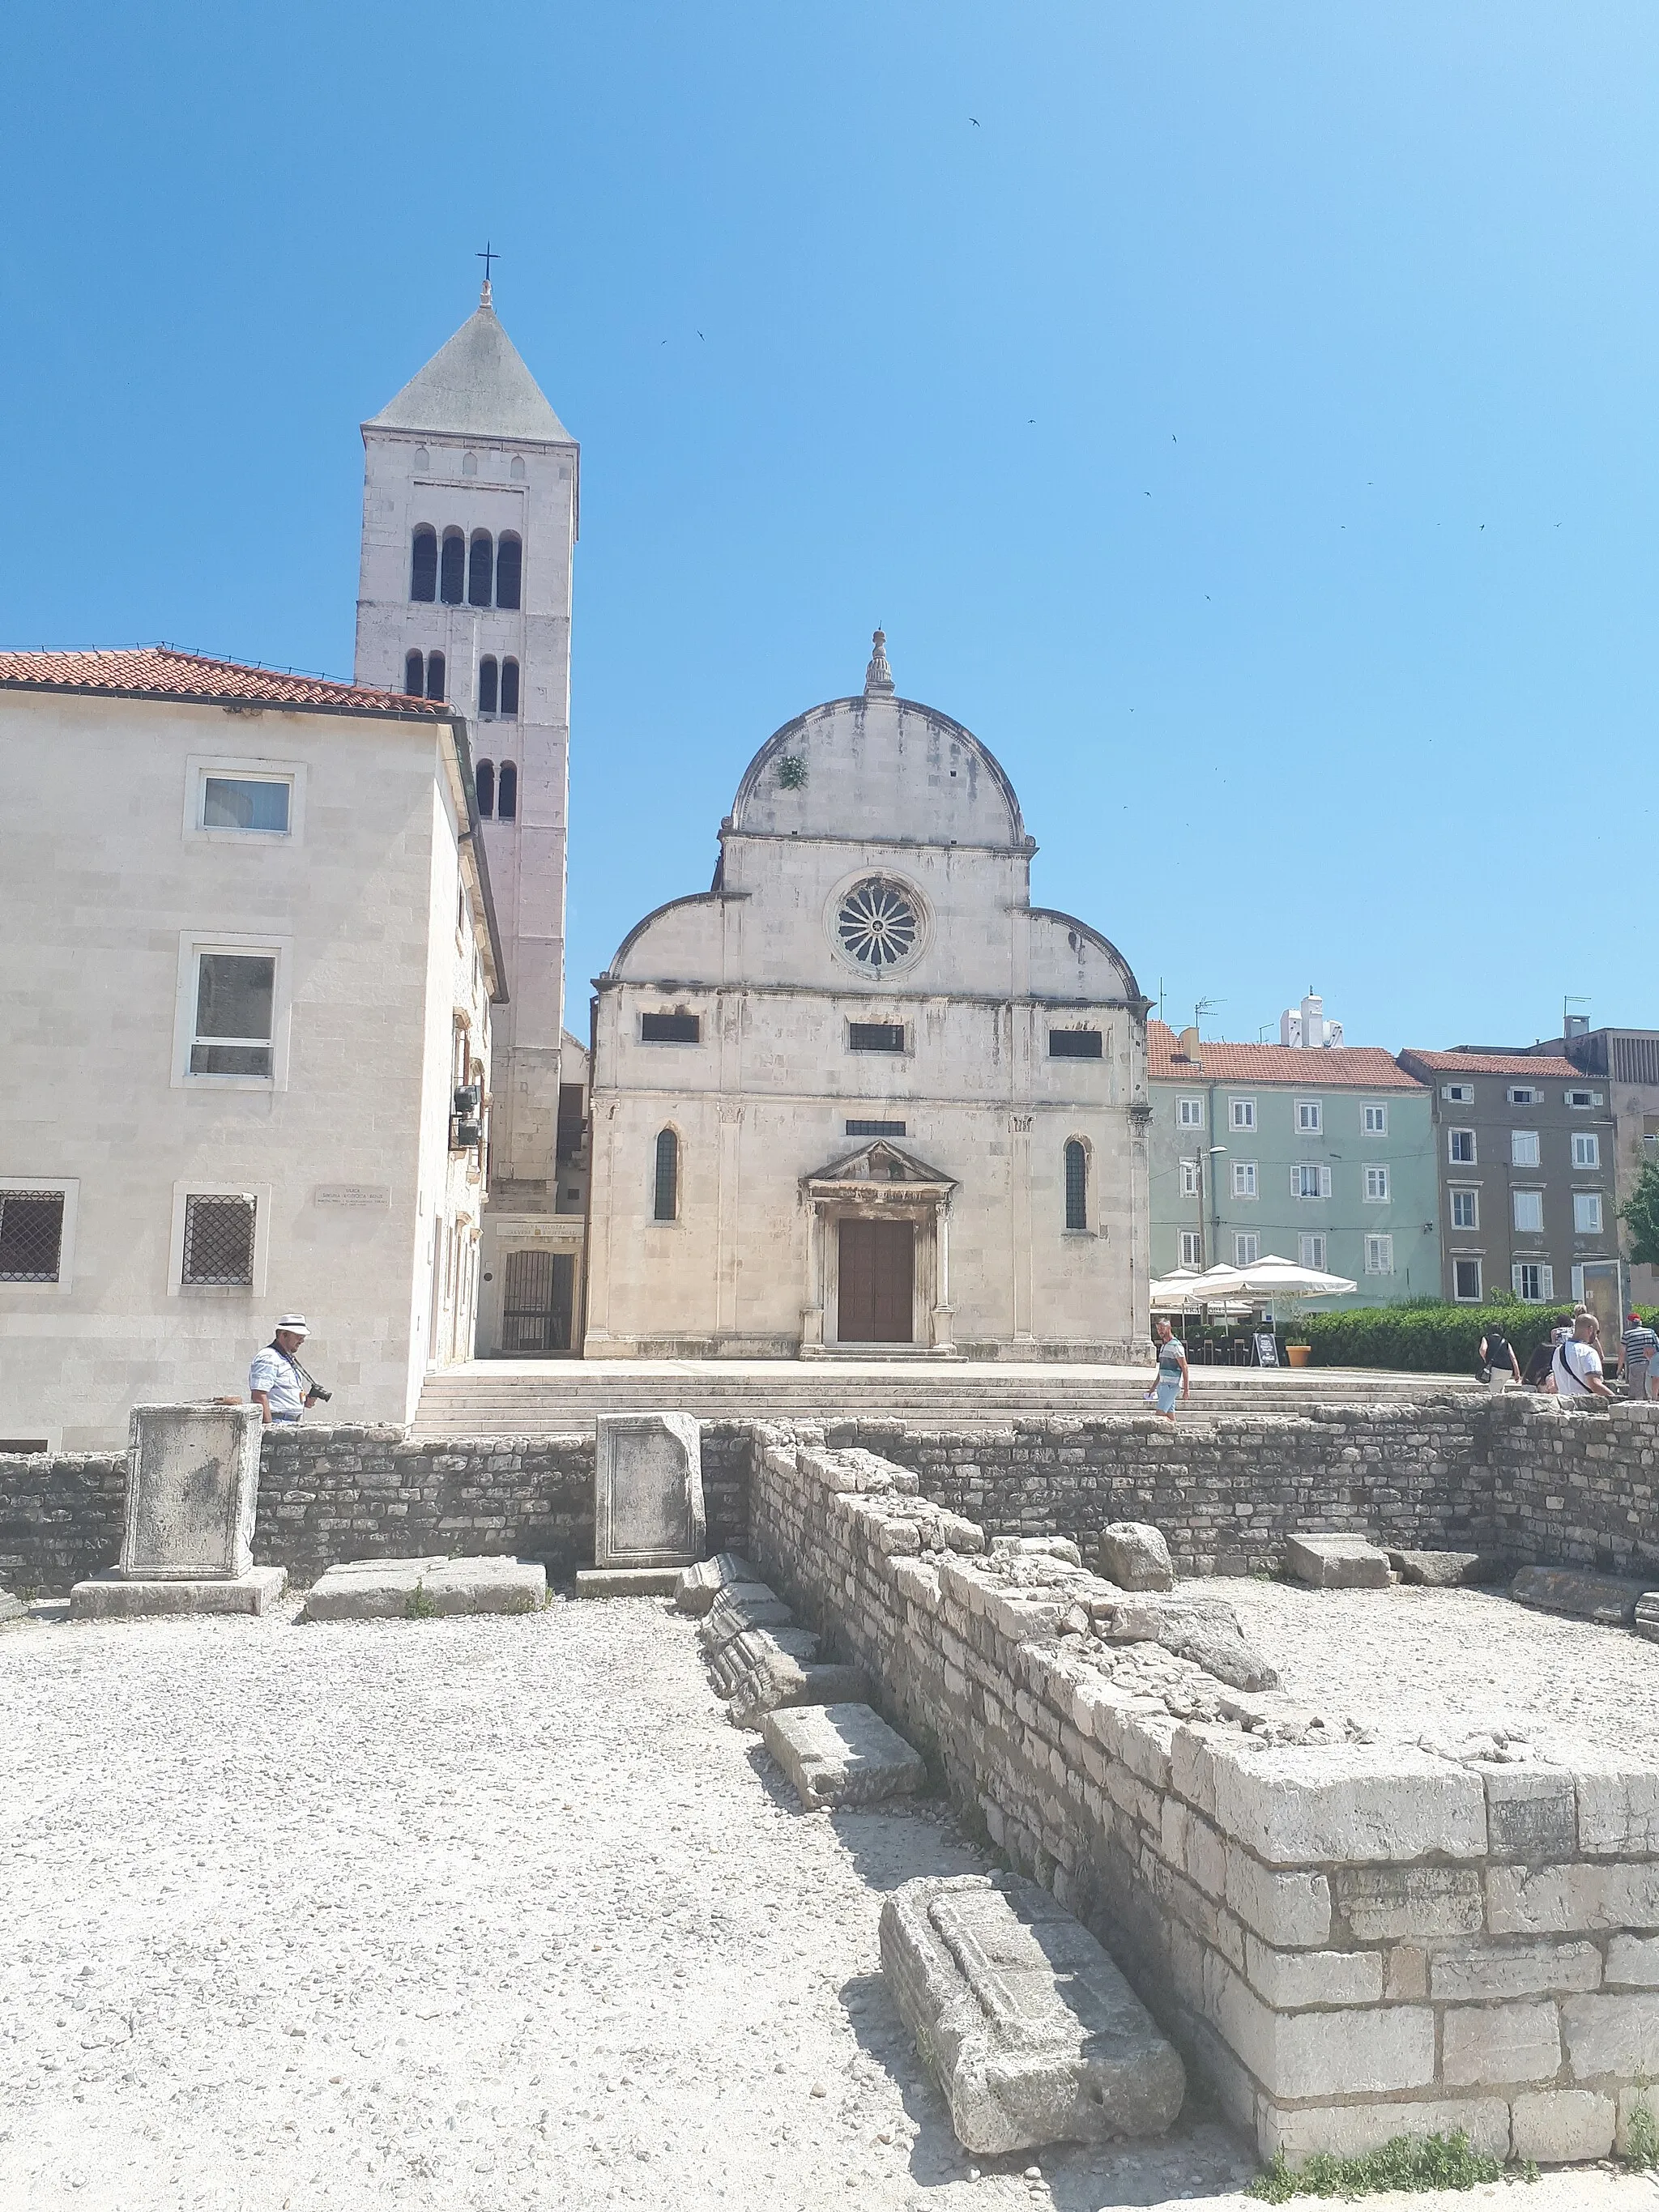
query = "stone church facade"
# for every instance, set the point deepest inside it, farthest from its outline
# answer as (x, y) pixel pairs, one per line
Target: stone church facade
(861, 1097)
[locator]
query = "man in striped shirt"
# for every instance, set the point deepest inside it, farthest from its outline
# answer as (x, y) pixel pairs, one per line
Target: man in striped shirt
(1641, 1350)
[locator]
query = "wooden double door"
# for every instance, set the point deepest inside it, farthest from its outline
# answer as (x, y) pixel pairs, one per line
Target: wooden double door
(876, 1301)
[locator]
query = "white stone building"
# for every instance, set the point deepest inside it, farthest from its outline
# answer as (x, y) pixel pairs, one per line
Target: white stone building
(247, 962)
(862, 1093)
(470, 508)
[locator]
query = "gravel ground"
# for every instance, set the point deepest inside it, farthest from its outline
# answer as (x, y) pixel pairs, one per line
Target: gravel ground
(1415, 1660)
(470, 1914)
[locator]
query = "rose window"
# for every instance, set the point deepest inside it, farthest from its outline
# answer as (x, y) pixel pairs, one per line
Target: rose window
(877, 924)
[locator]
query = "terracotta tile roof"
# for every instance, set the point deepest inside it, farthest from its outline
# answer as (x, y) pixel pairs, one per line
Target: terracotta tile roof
(1494, 1063)
(159, 671)
(1358, 1067)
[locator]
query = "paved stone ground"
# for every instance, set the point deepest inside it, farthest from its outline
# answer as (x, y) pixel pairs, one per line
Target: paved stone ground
(476, 1914)
(1418, 1660)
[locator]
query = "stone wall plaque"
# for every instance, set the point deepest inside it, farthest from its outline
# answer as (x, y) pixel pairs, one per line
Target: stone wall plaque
(647, 1490)
(352, 1194)
(192, 1491)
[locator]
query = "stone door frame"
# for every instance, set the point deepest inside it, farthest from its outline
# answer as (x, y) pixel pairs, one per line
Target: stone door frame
(882, 1183)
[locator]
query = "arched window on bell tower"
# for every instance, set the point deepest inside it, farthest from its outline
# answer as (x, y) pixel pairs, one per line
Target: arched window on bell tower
(415, 675)
(509, 569)
(435, 672)
(452, 587)
(423, 564)
(487, 685)
(506, 807)
(485, 783)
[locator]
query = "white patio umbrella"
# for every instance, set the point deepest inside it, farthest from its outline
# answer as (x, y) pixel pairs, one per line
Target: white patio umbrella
(1183, 1290)
(1271, 1279)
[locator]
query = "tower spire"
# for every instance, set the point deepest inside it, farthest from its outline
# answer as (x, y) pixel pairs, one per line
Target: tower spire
(489, 255)
(878, 676)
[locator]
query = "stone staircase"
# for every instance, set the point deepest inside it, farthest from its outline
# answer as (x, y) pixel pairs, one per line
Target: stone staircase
(560, 1397)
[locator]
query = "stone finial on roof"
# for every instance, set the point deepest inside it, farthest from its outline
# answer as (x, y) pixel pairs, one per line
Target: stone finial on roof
(485, 297)
(878, 676)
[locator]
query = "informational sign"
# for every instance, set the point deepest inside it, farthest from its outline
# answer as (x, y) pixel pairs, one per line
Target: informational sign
(353, 1193)
(1266, 1349)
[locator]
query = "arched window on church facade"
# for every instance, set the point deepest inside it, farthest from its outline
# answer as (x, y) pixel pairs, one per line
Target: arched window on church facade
(507, 807)
(509, 568)
(481, 572)
(510, 687)
(435, 676)
(487, 685)
(485, 782)
(415, 675)
(1077, 1185)
(423, 564)
(452, 580)
(667, 1191)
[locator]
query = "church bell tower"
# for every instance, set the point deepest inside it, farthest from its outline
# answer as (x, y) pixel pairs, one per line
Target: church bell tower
(471, 507)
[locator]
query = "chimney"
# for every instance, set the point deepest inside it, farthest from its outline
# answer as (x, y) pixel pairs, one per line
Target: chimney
(1186, 1047)
(1313, 1022)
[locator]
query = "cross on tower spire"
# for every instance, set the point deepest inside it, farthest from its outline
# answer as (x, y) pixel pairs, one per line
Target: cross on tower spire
(489, 255)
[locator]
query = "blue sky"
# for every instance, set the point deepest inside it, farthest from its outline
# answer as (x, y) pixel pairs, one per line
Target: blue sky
(1246, 426)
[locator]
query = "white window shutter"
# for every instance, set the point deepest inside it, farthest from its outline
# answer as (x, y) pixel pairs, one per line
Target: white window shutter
(1546, 1284)
(1324, 1182)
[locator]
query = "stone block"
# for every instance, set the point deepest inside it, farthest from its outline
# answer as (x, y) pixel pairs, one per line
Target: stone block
(696, 1588)
(1038, 1547)
(1562, 1900)
(1645, 1619)
(1494, 2045)
(192, 1492)
(1285, 1908)
(1613, 2035)
(627, 1582)
(1618, 1804)
(1306, 1807)
(1032, 2033)
(402, 1589)
(1531, 1813)
(1291, 1980)
(738, 1657)
(742, 1606)
(1586, 1597)
(841, 1754)
(131, 1597)
(11, 1609)
(1414, 1903)
(1562, 2127)
(1135, 1555)
(1337, 1562)
(1339, 2053)
(647, 1490)
(1479, 1973)
(782, 1679)
(1634, 1959)
(1347, 2131)
(1440, 1570)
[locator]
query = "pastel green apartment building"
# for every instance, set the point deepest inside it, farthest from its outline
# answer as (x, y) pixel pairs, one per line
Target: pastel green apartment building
(1324, 1155)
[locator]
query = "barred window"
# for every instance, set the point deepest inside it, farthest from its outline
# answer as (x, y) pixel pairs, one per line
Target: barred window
(218, 1240)
(30, 1236)
(1077, 1186)
(666, 1207)
(875, 1128)
(671, 1029)
(875, 1036)
(1074, 1044)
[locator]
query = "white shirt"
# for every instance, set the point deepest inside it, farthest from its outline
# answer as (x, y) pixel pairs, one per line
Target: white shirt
(272, 1374)
(1580, 1362)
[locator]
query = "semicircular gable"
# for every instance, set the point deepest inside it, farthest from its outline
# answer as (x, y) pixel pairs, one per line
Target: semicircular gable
(680, 938)
(864, 768)
(1069, 956)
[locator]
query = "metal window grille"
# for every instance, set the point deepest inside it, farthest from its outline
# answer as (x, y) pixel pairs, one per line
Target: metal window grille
(875, 1128)
(875, 1036)
(1077, 1186)
(30, 1236)
(1074, 1044)
(671, 1029)
(667, 1194)
(218, 1240)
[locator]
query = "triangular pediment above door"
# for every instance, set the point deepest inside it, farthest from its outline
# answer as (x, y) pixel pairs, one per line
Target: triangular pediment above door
(882, 1162)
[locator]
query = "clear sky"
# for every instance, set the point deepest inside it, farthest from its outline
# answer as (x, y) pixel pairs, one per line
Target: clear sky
(1241, 417)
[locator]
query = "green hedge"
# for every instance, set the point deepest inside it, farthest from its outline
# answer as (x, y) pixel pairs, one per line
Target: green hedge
(1426, 1334)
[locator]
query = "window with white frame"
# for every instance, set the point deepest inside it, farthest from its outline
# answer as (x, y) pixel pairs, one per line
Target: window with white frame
(1534, 1282)
(1581, 1098)
(1586, 1213)
(243, 800)
(1586, 1149)
(1243, 1113)
(1191, 1256)
(1460, 1094)
(1310, 1116)
(1524, 1094)
(1310, 1179)
(37, 1225)
(234, 1017)
(1246, 1249)
(1376, 1186)
(1466, 1282)
(1189, 1113)
(1245, 1179)
(1528, 1212)
(1374, 1118)
(1524, 1148)
(219, 1240)
(1311, 1252)
(1460, 1147)
(1189, 1178)
(1466, 1209)
(1379, 1255)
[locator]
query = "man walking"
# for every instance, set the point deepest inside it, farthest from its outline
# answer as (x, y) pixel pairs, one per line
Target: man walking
(276, 1383)
(1640, 1345)
(1577, 1364)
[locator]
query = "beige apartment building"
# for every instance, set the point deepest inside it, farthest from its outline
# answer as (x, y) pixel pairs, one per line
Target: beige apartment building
(246, 977)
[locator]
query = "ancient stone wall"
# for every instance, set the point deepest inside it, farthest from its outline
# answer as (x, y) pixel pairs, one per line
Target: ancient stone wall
(1350, 1939)
(1575, 1489)
(347, 1493)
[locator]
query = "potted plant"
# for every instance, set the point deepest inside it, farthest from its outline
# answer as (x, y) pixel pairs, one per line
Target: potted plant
(1299, 1355)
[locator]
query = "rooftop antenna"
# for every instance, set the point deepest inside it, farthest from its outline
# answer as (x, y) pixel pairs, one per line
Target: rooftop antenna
(1205, 1007)
(1160, 997)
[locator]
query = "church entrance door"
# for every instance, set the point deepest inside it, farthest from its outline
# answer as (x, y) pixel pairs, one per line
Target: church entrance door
(876, 1299)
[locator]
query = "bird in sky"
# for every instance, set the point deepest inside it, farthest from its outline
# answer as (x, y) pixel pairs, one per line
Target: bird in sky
(704, 340)
(974, 119)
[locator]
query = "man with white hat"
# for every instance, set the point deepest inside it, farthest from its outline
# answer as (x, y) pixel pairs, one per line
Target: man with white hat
(276, 1383)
